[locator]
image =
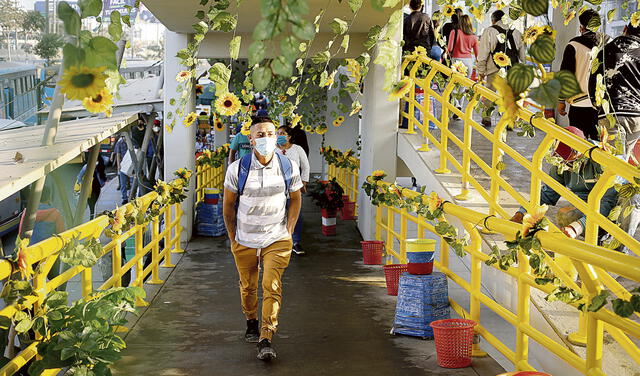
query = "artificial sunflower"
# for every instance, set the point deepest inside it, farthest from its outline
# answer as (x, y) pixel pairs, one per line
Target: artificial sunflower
(635, 19)
(378, 174)
(191, 117)
(80, 82)
(183, 76)
(569, 17)
(340, 118)
(506, 101)
(321, 129)
(400, 88)
(337, 123)
(476, 12)
(530, 221)
(199, 90)
(434, 201)
(218, 125)
(246, 128)
(227, 104)
(419, 50)
(459, 67)
(501, 59)
(295, 119)
(448, 10)
(530, 34)
(101, 102)
(308, 128)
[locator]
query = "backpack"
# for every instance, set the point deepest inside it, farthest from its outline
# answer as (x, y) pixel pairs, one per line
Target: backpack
(245, 164)
(508, 47)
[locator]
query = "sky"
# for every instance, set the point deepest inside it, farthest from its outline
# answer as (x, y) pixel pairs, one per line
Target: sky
(26, 4)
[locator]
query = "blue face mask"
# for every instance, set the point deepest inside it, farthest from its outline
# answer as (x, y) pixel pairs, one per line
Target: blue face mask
(282, 140)
(265, 145)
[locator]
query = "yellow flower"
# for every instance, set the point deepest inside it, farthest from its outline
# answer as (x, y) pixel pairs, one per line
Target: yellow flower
(434, 201)
(308, 128)
(531, 220)
(506, 100)
(336, 123)
(419, 50)
(246, 128)
(118, 218)
(400, 88)
(501, 59)
(218, 125)
(569, 17)
(321, 129)
(448, 10)
(378, 174)
(529, 36)
(100, 103)
(355, 110)
(189, 119)
(500, 5)
(227, 104)
(199, 90)
(355, 69)
(476, 12)
(183, 76)
(295, 119)
(548, 30)
(635, 19)
(340, 118)
(80, 82)
(459, 67)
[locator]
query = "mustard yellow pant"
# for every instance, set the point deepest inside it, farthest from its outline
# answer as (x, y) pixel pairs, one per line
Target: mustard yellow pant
(274, 259)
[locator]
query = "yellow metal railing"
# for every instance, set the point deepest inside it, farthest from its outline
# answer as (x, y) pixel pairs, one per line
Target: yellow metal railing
(393, 225)
(208, 177)
(45, 254)
(347, 178)
(612, 167)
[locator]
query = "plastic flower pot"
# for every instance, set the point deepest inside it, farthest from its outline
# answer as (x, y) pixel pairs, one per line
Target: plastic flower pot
(420, 255)
(454, 340)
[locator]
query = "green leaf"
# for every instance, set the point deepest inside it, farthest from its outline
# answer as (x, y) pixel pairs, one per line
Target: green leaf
(234, 47)
(200, 14)
(220, 74)
(547, 94)
(355, 5)
(303, 30)
(256, 52)
(115, 31)
(90, 8)
(67, 353)
(611, 14)
(224, 21)
(598, 301)
(339, 26)
(24, 325)
(321, 57)
(622, 307)
(261, 77)
(289, 46)
(263, 30)
(281, 67)
(72, 55)
(70, 18)
(100, 52)
(126, 19)
(345, 43)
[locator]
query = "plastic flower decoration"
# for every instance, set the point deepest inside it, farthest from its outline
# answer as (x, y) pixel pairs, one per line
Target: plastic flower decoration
(101, 102)
(419, 50)
(476, 12)
(246, 128)
(532, 220)
(448, 10)
(501, 59)
(227, 104)
(355, 70)
(569, 17)
(400, 89)
(355, 109)
(199, 90)
(340, 118)
(635, 19)
(434, 201)
(378, 174)
(183, 173)
(189, 119)
(183, 76)
(336, 123)
(26, 270)
(218, 125)
(530, 34)
(295, 119)
(506, 101)
(119, 219)
(459, 67)
(308, 128)
(321, 129)
(80, 82)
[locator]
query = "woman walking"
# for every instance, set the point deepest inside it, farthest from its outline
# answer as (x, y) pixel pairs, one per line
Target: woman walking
(463, 44)
(297, 154)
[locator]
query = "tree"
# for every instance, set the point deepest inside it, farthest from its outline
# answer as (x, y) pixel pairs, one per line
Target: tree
(34, 22)
(10, 21)
(48, 46)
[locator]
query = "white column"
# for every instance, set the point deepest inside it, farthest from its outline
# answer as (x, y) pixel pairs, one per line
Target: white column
(379, 129)
(221, 138)
(179, 145)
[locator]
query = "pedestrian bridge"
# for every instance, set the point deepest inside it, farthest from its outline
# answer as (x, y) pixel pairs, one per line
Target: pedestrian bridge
(336, 316)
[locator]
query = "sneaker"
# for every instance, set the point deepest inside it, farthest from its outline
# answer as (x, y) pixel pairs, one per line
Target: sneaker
(298, 250)
(265, 351)
(252, 334)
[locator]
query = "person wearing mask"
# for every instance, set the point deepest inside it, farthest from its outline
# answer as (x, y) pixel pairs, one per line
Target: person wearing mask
(417, 30)
(497, 37)
(137, 133)
(577, 60)
(99, 180)
(261, 204)
(618, 75)
(240, 145)
(126, 173)
(297, 154)
(463, 44)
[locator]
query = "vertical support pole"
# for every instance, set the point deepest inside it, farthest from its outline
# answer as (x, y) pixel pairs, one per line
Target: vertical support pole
(466, 151)
(116, 263)
(87, 181)
(139, 264)
(403, 233)
(444, 130)
(87, 282)
(178, 228)
(476, 282)
(155, 252)
(167, 238)
(524, 297)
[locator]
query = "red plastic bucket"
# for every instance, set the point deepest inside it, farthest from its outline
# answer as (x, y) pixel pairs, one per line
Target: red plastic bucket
(328, 213)
(420, 268)
(392, 275)
(372, 252)
(454, 339)
(349, 211)
(329, 230)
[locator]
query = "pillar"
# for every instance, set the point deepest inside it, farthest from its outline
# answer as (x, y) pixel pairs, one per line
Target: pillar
(379, 137)
(179, 144)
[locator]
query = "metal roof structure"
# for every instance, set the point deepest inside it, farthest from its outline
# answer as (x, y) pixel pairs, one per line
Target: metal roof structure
(23, 160)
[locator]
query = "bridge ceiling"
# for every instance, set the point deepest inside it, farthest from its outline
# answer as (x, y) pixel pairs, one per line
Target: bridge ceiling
(178, 16)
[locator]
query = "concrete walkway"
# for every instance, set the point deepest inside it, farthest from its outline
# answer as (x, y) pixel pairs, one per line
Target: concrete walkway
(335, 318)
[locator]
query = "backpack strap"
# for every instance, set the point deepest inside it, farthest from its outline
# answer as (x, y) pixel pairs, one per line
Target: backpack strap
(511, 43)
(498, 44)
(243, 172)
(287, 171)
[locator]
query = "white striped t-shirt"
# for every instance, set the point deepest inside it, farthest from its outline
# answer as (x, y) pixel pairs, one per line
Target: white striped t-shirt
(262, 216)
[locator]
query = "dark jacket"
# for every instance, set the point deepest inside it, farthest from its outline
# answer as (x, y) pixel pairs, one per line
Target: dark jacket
(621, 60)
(417, 31)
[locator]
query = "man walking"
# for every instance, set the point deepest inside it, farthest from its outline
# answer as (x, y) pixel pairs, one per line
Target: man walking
(265, 189)
(497, 38)
(417, 30)
(577, 60)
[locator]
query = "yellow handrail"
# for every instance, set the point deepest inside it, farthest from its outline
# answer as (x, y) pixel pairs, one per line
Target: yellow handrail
(347, 178)
(587, 257)
(46, 253)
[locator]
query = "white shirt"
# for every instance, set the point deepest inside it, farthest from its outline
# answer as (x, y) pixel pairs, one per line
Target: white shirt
(262, 209)
(296, 153)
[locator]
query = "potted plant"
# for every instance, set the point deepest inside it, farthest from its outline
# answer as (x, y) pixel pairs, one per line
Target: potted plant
(328, 196)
